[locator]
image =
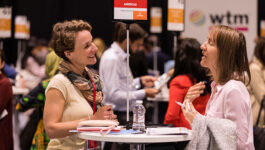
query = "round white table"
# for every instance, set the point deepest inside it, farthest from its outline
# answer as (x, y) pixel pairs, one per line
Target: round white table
(135, 139)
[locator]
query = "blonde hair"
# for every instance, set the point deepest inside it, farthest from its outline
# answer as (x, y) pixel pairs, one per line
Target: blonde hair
(100, 45)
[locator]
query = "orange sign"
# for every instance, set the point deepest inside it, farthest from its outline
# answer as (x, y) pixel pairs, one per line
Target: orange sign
(139, 15)
(175, 19)
(156, 21)
(175, 15)
(5, 24)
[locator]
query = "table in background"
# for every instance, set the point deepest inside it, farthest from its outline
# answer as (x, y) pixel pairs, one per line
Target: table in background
(134, 139)
(156, 100)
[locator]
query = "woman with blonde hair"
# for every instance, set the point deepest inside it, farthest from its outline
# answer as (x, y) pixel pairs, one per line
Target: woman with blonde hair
(225, 55)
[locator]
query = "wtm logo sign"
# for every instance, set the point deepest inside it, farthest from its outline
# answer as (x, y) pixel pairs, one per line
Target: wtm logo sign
(197, 17)
(238, 21)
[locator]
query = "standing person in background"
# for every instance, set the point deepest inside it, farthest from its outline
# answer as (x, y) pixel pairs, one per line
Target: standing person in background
(6, 126)
(75, 94)
(138, 63)
(34, 59)
(36, 99)
(257, 84)
(225, 55)
(112, 70)
(152, 45)
(187, 72)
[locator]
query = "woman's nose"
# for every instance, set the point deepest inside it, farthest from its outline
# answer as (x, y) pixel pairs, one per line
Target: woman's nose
(203, 46)
(95, 47)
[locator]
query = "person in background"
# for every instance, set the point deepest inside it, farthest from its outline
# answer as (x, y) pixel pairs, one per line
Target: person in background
(152, 45)
(187, 72)
(34, 60)
(10, 72)
(36, 99)
(75, 94)
(6, 126)
(225, 55)
(257, 84)
(112, 70)
(138, 63)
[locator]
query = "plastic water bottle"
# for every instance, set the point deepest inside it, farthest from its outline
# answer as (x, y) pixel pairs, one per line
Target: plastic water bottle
(139, 116)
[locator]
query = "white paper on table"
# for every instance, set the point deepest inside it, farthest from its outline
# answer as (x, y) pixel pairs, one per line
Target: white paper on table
(166, 130)
(97, 129)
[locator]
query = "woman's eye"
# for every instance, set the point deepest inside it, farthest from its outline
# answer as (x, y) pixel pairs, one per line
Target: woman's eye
(210, 42)
(87, 46)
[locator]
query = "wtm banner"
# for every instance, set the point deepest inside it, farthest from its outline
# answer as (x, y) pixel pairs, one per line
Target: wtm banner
(201, 15)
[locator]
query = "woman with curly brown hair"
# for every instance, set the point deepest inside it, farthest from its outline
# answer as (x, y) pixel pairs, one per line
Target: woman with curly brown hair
(75, 94)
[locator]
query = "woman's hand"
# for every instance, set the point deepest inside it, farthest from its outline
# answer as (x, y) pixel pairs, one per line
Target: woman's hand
(195, 91)
(104, 113)
(189, 111)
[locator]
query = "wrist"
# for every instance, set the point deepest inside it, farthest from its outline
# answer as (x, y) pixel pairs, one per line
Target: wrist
(91, 117)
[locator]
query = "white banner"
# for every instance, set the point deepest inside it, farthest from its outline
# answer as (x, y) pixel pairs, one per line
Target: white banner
(156, 20)
(200, 15)
(175, 15)
(22, 26)
(5, 22)
(130, 10)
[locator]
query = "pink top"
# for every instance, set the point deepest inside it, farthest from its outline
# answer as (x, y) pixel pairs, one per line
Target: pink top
(231, 101)
(35, 68)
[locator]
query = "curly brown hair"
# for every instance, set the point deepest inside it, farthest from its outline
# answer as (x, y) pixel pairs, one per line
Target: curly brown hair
(64, 34)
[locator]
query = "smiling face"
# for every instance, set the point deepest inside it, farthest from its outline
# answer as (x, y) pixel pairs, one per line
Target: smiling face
(84, 50)
(210, 54)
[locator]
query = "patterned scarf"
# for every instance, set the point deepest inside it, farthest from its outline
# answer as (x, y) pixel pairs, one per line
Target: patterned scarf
(83, 83)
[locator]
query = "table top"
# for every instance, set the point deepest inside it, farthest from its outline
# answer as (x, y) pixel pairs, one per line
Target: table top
(134, 138)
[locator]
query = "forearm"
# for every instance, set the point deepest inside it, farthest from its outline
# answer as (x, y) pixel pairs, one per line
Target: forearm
(61, 129)
(121, 95)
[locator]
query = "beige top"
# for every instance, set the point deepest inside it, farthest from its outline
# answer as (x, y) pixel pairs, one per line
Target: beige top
(257, 88)
(76, 107)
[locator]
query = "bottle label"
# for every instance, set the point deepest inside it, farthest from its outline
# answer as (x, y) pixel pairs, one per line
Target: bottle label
(138, 118)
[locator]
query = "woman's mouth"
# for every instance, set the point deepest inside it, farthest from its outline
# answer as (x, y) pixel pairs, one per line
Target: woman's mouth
(93, 56)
